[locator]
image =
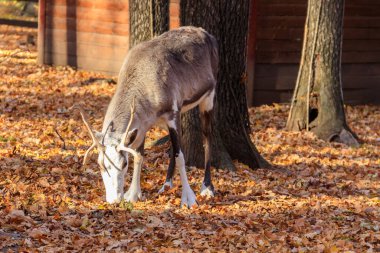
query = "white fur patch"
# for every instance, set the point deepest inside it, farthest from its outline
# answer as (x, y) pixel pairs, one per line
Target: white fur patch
(188, 197)
(134, 192)
(172, 124)
(113, 178)
(208, 103)
(166, 186)
(113, 193)
(192, 105)
(175, 106)
(206, 191)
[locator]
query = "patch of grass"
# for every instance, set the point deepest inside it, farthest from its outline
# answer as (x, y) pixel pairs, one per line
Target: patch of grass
(7, 139)
(126, 205)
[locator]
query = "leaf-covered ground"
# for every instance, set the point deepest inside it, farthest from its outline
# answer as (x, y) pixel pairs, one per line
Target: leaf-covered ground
(49, 202)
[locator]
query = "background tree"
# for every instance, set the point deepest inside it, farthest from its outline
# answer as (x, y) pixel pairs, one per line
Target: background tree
(228, 22)
(317, 103)
(148, 18)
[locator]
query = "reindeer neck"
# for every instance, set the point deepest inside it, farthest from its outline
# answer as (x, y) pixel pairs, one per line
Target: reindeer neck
(118, 115)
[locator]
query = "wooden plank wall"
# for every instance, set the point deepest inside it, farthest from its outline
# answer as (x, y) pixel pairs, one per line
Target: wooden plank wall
(90, 34)
(94, 35)
(280, 27)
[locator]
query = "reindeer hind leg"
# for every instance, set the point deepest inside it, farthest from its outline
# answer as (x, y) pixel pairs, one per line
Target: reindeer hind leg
(206, 113)
(170, 173)
(188, 197)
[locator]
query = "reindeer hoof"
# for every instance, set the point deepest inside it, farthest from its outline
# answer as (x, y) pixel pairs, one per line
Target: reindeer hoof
(207, 191)
(167, 186)
(188, 198)
(132, 195)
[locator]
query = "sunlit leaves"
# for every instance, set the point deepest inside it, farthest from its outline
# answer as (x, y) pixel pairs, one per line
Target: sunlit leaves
(329, 202)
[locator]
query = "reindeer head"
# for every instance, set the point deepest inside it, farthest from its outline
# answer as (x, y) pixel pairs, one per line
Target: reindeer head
(112, 159)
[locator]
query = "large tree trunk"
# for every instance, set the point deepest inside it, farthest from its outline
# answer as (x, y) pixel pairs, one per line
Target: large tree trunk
(317, 103)
(228, 22)
(148, 18)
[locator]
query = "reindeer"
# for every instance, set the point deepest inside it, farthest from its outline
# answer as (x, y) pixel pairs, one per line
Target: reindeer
(159, 80)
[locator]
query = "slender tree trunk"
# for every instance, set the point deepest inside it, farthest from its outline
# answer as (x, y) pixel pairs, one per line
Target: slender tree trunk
(228, 22)
(317, 103)
(148, 18)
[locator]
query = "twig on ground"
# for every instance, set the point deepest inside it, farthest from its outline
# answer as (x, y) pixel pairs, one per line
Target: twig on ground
(61, 138)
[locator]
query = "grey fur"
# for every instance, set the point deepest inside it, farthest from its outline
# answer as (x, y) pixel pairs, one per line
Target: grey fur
(159, 79)
(176, 67)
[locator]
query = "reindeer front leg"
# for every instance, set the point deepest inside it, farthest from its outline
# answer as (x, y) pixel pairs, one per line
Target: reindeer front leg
(188, 197)
(134, 192)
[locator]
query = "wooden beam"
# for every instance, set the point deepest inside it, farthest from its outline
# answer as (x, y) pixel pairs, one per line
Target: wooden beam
(251, 49)
(15, 22)
(41, 31)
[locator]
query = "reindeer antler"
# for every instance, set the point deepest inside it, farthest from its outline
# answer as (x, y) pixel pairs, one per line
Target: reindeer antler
(95, 141)
(121, 145)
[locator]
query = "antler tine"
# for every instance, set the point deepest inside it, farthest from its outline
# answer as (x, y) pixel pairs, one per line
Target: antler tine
(122, 142)
(121, 145)
(87, 124)
(87, 152)
(95, 142)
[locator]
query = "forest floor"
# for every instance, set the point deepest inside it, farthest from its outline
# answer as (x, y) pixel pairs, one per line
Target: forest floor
(49, 202)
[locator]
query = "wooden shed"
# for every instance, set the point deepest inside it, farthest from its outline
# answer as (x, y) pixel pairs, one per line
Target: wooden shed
(87, 34)
(279, 36)
(94, 35)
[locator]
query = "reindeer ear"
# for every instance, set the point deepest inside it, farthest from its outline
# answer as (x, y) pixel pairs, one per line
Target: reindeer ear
(131, 136)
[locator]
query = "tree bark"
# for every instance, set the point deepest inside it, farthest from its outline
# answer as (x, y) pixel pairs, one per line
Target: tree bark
(317, 103)
(148, 18)
(228, 22)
